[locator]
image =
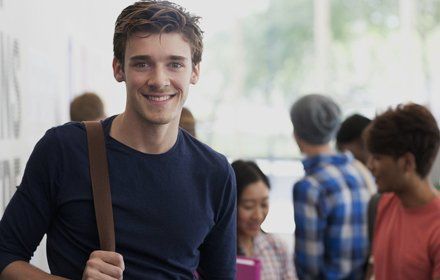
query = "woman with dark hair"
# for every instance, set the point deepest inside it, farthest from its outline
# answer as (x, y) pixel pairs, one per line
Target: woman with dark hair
(252, 208)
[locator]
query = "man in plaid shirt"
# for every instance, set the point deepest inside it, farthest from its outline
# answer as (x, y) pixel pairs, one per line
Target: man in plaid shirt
(330, 202)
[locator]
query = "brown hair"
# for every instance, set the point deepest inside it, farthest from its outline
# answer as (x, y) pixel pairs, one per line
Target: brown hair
(407, 128)
(157, 17)
(86, 107)
(187, 121)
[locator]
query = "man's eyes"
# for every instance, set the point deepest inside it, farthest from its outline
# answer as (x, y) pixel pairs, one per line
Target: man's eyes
(176, 65)
(141, 65)
(173, 65)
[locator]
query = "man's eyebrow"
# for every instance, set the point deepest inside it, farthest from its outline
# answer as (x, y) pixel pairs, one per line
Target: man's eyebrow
(140, 57)
(177, 57)
(148, 58)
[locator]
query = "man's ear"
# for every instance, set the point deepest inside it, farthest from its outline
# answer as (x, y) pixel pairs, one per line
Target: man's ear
(195, 74)
(409, 162)
(118, 70)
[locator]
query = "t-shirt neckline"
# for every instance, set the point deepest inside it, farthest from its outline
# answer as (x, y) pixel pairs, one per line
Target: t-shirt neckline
(107, 123)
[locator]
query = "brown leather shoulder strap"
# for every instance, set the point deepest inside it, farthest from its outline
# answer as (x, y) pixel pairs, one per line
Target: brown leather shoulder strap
(100, 185)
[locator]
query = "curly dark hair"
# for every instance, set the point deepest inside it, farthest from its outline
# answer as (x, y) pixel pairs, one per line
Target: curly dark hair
(157, 17)
(351, 129)
(407, 128)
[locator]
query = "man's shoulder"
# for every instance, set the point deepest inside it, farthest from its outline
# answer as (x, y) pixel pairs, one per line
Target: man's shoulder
(306, 189)
(67, 130)
(319, 177)
(203, 154)
(68, 134)
(57, 135)
(386, 200)
(307, 182)
(328, 179)
(334, 172)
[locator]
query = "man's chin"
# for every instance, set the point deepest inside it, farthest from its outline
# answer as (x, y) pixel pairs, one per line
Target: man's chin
(382, 190)
(157, 120)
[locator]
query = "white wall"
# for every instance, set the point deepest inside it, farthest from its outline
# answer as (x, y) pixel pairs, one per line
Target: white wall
(50, 51)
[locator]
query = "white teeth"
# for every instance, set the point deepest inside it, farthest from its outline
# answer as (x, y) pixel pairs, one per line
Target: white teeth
(158, 98)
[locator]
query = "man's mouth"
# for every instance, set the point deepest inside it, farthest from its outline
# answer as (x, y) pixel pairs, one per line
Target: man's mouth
(158, 98)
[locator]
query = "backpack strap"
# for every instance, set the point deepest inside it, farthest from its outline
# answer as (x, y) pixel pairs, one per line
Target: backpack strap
(100, 185)
(372, 211)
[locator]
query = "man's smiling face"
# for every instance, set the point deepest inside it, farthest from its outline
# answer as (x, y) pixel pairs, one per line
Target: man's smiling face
(158, 71)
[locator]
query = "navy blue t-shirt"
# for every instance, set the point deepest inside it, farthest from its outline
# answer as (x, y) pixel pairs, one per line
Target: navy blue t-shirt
(174, 212)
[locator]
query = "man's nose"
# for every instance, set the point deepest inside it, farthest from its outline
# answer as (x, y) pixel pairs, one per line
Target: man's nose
(158, 79)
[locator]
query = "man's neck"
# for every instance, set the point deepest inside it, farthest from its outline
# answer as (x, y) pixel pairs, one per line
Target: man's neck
(143, 136)
(418, 192)
(314, 150)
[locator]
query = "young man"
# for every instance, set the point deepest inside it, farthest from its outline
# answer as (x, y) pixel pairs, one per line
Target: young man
(349, 137)
(173, 197)
(403, 143)
(330, 201)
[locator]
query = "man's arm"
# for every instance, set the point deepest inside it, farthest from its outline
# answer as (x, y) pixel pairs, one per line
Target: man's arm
(309, 230)
(22, 270)
(101, 265)
(104, 265)
(31, 209)
(218, 253)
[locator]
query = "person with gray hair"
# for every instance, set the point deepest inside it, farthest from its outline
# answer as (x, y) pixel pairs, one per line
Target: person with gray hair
(330, 201)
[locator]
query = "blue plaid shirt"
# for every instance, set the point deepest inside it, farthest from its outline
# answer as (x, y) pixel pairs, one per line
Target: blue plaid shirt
(330, 203)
